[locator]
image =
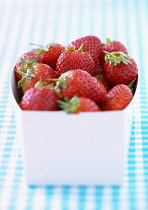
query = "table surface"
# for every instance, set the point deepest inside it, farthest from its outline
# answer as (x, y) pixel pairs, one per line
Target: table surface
(42, 22)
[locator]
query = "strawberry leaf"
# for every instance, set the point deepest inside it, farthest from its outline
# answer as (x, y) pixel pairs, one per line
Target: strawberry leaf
(28, 75)
(42, 48)
(117, 57)
(27, 63)
(61, 81)
(107, 41)
(69, 105)
(99, 77)
(40, 84)
(69, 48)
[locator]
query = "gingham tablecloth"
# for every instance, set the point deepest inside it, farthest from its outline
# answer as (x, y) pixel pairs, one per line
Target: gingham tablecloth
(23, 22)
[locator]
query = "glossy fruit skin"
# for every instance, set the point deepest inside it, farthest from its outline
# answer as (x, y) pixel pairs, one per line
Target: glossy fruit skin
(51, 56)
(117, 98)
(114, 46)
(121, 73)
(71, 59)
(30, 55)
(92, 44)
(82, 84)
(42, 72)
(86, 105)
(43, 99)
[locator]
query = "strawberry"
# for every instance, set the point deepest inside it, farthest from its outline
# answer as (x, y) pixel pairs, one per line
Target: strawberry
(92, 44)
(39, 98)
(50, 53)
(38, 72)
(75, 59)
(111, 46)
(27, 60)
(80, 83)
(78, 104)
(117, 98)
(119, 68)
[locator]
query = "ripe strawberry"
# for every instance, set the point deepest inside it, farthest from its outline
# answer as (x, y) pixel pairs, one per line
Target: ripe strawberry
(80, 83)
(92, 44)
(38, 72)
(50, 53)
(42, 98)
(117, 98)
(119, 68)
(111, 46)
(27, 60)
(75, 59)
(78, 104)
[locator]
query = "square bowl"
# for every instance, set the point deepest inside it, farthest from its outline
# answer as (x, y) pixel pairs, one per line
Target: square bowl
(89, 148)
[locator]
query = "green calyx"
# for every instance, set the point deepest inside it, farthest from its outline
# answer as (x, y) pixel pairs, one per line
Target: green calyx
(69, 105)
(42, 48)
(61, 81)
(99, 77)
(107, 41)
(27, 63)
(40, 84)
(117, 57)
(28, 75)
(79, 50)
(43, 84)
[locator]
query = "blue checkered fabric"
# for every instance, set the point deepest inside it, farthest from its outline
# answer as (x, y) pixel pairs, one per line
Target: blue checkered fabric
(41, 21)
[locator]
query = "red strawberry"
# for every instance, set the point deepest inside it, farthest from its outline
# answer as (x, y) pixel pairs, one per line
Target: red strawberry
(119, 68)
(38, 72)
(42, 98)
(117, 98)
(75, 59)
(111, 46)
(79, 104)
(50, 54)
(80, 83)
(27, 60)
(92, 44)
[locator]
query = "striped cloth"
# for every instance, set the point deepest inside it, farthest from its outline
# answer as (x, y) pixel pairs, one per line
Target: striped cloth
(44, 21)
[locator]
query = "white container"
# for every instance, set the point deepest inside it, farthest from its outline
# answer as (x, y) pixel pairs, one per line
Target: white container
(69, 149)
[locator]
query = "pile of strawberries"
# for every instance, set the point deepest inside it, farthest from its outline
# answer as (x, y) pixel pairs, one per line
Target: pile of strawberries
(84, 76)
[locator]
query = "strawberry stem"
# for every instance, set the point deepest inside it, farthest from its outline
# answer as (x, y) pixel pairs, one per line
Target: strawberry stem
(131, 85)
(38, 45)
